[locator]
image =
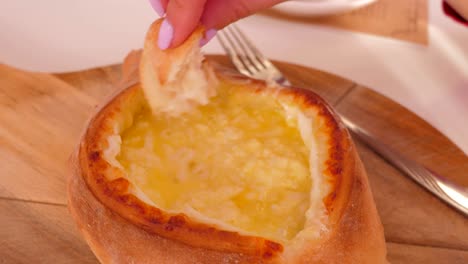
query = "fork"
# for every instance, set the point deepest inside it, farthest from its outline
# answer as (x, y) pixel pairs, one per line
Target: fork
(247, 58)
(251, 62)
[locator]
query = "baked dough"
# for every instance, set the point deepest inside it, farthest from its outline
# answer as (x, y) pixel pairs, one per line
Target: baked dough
(123, 224)
(175, 80)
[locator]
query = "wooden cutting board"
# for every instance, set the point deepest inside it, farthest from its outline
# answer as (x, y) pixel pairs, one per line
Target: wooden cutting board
(42, 116)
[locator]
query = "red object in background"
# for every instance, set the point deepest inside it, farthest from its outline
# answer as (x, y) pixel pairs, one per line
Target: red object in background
(449, 11)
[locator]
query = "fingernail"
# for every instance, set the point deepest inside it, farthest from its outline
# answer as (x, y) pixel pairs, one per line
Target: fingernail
(166, 33)
(209, 34)
(156, 4)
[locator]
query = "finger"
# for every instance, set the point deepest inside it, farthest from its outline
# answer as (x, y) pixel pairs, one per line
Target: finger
(164, 3)
(219, 13)
(159, 6)
(184, 17)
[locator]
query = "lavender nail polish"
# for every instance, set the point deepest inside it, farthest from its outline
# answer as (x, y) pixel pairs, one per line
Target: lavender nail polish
(209, 34)
(166, 33)
(156, 4)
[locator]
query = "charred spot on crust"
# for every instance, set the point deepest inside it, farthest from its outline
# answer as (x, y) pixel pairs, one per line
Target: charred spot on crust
(174, 222)
(335, 164)
(94, 156)
(155, 218)
(100, 180)
(328, 201)
(122, 199)
(273, 246)
(271, 249)
(115, 188)
(224, 233)
(177, 220)
(134, 203)
(119, 185)
(267, 254)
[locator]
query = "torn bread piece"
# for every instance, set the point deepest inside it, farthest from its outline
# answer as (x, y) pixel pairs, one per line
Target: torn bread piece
(175, 80)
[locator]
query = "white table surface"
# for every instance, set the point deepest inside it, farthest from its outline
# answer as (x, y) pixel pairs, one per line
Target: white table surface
(432, 81)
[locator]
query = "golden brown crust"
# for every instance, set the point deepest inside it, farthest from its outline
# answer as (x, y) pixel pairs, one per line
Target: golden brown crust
(355, 233)
(113, 239)
(99, 189)
(110, 186)
(121, 228)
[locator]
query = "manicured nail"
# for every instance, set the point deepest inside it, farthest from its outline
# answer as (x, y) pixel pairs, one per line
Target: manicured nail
(166, 33)
(156, 4)
(209, 34)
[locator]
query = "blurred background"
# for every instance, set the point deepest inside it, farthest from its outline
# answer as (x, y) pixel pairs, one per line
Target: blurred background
(408, 50)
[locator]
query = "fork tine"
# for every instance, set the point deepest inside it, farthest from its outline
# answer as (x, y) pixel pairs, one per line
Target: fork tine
(259, 58)
(256, 54)
(253, 54)
(249, 57)
(232, 50)
(240, 51)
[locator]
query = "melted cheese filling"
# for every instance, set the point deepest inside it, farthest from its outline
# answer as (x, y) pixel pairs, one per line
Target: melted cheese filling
(240, 159)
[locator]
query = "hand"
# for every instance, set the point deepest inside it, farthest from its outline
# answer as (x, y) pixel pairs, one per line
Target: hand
(183, 16)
